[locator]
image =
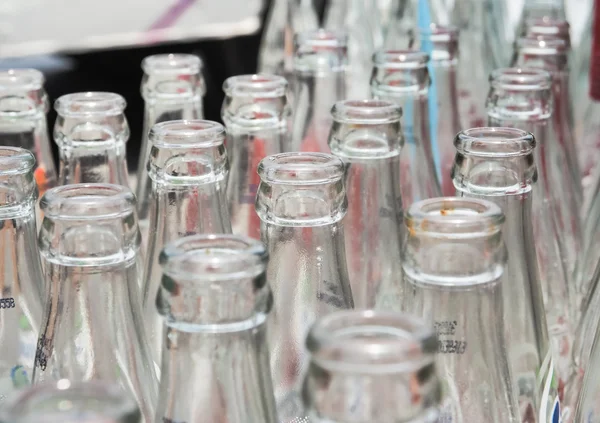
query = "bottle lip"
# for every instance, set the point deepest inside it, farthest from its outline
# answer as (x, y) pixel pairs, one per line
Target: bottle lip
(537, 45)
(401, 59)
(187, 134)
(371, 342)
(454, 218)
(180, 64)
(90, 104)
(21, 80)
(547, 26)
(213, 257)
(370, 111)
(88, 202)
(15, 161)
(439, 33)
(320, 39)
(301, 169)
(521, 79)
(497, 142)
(257, 85)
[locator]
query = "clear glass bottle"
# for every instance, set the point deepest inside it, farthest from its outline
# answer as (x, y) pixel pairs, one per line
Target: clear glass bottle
(72, 402)
(189, 168)
(402, 77)
(92, 327)
(23, 108)
(367, 136)
(372, 366)
(301, 202)
(172, 88)
(453, 260)
(320, 62)
(541, 9)
(91, 131)
(255, 112)
(21, 284)
(497, 164)
(215, 301)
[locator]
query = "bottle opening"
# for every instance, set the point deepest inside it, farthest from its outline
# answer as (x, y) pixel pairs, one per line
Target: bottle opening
(521, 79)
(439, 34)
(367, 112)
(21, 80)
(15, 161)
(187, 134)
(439, 41)
(547, 27)
(537, 45)
(180, 64)
(320, 51)
(399, 72)
(301, 169)
(259, 86)
(401, 59)
(90, 104)
(497, 142)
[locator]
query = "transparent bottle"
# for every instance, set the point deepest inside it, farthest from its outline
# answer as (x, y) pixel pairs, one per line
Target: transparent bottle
(402, 77)
(91, 131)
(215, 302)
(72, 402)
(23, 108)
(541, 9)
(92, 327)
(441, 44)
(453, 260)
(367, 136)
(172, 88)
(21, 284)
(320, 61)
(255, 112)
(188, 167)
(372, 367)
(497, 164)
(301, 202)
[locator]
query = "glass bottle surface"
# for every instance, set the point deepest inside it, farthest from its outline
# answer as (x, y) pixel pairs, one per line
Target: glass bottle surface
(172, 88)
(372, 367)
(91, 131)
(23, 108)
(496, 164)
(533, 9)
(215, 302)
(188, 167)
(255, 112)
(22, 280)
(320, 62)
(72, 402)
(402, 77)
(92, 327)
(367, 136)
(301, 201)
(453, 261)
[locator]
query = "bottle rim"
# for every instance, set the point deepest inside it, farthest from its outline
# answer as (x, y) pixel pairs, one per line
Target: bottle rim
(521, 79)
(439, 33)
(320, 39)
(15, 161)
(538, 45)
(256, 85)
(196, 133)
(21, 80)
(90, 104)
(370, 111)
(401, 59)
(178, 63)
(498, 142)
(301, 169)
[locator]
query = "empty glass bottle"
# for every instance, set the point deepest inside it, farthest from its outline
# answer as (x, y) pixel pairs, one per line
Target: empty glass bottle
(301, 201)
(541, 9)
(215, 301)
(172, 88)
(21, 281)
(92, 327)
(401, 77)
(367, 136)
(91, 131)
(320, 61)
(496, 164)
(23, 108)
(255, 112)
(72, 402)
(371, 366)
(188, 167)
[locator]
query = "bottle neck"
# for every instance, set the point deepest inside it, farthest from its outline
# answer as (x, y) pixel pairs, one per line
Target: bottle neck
(103, 162)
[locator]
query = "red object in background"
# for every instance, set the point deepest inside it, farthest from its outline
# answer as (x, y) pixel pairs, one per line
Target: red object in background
(595, 56)
(258, 153)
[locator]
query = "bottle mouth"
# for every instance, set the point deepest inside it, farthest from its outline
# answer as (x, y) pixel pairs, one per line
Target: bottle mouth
(258, 85)
(521, 79)
(301, 169)
(187, 134)
(320, 40)
(548, 27)
(90, 104)
(178, 64)
(439, 34)
(371, 342)
(22, 80)
(401, 59)
(453, 218)
(88, 202)
(497, 142)
(15, 161)
(536, 45)
(213, 257)
(373, 112)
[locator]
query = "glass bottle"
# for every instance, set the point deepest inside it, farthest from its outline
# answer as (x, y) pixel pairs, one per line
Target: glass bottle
(320, 61)
(441, 44)
(453, 260)
(91, 131)
(255, 112)
(215, 302)
(301, 202)
(541, 9)
(21, 284)
(372, 366)
(188, 167)
(367, 136)
(72, 402)
(497, 164)
(401, 77)
(23, 108)
(172, 88)
(92, 327)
